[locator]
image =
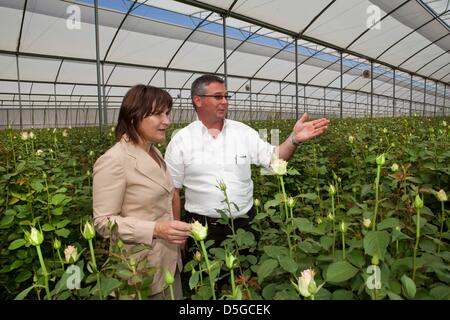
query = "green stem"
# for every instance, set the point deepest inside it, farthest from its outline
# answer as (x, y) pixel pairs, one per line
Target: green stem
(44, 271)
(48, 202)
(333, 222)
(284, 197)
(257, 221)
(396, 248)
(232, 226)
(208, 266)
(231, 216)
(377, 182)
(233, 285)
(32, 149)
(442, 225)
(12, 147)
(60, 259)
(172, 296)
(201, 276)
(292, 216)
(288, 233)
(139, 294)
(94, 264)
(343, 246)
(38, 292)
(416, 246)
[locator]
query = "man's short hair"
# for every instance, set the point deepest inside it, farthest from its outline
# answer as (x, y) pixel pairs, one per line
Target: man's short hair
(199, 85)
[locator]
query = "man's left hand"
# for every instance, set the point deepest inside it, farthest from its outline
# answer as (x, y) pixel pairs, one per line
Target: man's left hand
(304, 131)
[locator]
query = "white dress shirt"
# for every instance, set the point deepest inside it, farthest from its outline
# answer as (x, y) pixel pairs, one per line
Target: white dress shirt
(198, 162)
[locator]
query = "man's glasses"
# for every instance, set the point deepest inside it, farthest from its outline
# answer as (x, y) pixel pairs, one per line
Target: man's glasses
(215, 96)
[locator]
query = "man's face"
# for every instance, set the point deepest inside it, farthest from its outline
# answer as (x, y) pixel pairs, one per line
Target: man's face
(213, 104)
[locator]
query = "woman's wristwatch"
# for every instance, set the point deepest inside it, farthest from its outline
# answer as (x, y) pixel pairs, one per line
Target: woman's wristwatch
(291, 140)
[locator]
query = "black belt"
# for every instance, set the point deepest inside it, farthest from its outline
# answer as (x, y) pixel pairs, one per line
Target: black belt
(190, 216)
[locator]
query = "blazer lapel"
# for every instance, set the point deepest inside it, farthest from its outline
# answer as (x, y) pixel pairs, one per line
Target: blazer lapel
(146, 165)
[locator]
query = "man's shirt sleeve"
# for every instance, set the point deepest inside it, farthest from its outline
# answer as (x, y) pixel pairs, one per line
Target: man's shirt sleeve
(175, 161)
(260, 151)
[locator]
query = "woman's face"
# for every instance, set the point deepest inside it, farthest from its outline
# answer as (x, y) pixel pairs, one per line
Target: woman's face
(152, 129)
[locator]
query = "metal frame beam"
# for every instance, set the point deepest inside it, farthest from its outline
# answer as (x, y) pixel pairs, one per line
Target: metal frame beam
(290, 33)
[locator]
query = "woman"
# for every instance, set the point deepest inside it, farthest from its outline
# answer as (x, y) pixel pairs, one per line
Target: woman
(131, 186)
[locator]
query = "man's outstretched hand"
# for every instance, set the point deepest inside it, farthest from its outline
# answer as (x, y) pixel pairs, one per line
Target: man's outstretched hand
(305, 130)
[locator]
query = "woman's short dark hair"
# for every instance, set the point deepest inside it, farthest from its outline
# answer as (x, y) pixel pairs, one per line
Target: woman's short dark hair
(139, 102)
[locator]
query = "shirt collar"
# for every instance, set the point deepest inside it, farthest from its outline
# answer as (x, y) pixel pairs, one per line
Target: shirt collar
(205, 130)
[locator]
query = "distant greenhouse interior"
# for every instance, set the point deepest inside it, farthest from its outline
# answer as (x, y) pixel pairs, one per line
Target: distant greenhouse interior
(69, 63)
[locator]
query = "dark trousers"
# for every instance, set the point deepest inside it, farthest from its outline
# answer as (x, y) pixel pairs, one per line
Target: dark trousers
(217, 231)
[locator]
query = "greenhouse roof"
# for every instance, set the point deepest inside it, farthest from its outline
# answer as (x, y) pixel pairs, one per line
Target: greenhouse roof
(166, 43)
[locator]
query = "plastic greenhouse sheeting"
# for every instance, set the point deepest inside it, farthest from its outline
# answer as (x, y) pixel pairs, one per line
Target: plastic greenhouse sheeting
(168, 43)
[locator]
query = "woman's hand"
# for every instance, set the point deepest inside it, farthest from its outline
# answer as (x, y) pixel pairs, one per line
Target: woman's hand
(173, 231)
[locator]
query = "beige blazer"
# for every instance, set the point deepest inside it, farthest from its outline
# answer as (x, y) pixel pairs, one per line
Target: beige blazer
(130, 188)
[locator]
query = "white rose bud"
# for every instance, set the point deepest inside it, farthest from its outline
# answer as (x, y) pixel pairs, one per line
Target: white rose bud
(230, 261)
(222, 186)
(199, 231)
(291, 202)
(381, 159)
(56, 244)
(279, 167)
(351, 139)
(331, 190)
(367, 222)
(394, 167)
(88, 231)
(24, 135)
(71, 254)
(418, 202)
(35, 237)
(168, 278)
(306, 284)
(343, 227)
(441, 196)
(330, 216)
(198, 256)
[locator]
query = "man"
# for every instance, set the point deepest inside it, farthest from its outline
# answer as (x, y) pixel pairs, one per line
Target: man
(214, 149)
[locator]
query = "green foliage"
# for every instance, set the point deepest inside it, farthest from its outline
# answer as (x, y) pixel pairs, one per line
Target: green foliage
(53, 190)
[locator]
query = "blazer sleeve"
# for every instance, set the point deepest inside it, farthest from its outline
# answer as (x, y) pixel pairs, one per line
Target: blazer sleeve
(108, 191)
